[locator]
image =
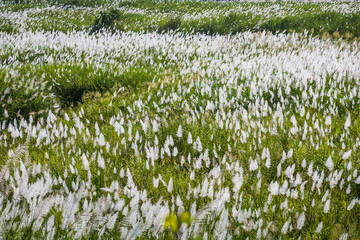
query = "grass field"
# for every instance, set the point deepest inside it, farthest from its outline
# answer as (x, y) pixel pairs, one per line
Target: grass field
(179, 120)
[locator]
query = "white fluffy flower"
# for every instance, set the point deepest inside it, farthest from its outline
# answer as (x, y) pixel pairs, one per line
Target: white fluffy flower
(343, 236)
(253, 165)
(357, 181)
(348, 122)
(179, 132)
(327, 206)
(301, 221)
(101, 140)
(170, 185)
(199, 145)
(267, 163)
(349, 166)
(329, 163)
(274, 188)
(189, 140)
(319, 227)
(328, 120)
(352, 203)
(100, 161)
(346, 155)
(285, 227)
(85, 161)
(175, 152)
(238, 181)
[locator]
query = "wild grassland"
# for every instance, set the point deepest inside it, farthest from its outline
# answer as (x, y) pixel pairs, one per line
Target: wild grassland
(179, 120)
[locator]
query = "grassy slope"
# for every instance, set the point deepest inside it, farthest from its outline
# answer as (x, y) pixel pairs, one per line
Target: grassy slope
(88, 89)
(303, 16)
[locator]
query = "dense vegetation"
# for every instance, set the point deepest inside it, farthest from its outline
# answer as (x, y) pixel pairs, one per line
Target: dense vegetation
(188, 120)
(190, 17)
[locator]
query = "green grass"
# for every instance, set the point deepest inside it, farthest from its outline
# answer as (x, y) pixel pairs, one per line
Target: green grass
(121, 95)
(7, 26)
(318, 23)
(165, 16)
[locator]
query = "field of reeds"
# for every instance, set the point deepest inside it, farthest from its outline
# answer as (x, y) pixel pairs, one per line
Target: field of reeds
(179, 120)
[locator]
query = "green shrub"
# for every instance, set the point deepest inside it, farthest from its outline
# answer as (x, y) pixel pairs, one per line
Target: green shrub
(171, 24)
(106, 20)
(237, 22)
(205, 26)
(22, 97)
(134, 77)
(71, 82)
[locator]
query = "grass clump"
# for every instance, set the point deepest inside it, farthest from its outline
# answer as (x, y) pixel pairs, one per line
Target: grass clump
(24, 97)
(167, 135)
(69, 82)
(115, 20)
(76, 81)
(170, 24)
(7, 26)
(106, 20)
(317, 23)
(333, 23)
(230, 24)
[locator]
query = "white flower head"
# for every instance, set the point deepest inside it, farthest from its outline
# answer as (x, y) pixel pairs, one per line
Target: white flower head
(301, 221)
(348, 122)
(346, 155)
(268, 163)
(170, 185)
(100, 161)
(329, 163)
(85, 161)
(253, 165)
(274, 188)
(286, 226)
(328, 120)
(349, 166)
(327, 206)
(319, 227)
(179, 132)
(189, 140)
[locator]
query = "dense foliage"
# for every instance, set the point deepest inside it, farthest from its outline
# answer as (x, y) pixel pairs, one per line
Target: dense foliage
(186, 120)
(324, 19)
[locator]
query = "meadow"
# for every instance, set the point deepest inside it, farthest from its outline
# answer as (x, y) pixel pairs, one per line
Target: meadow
(179, 120)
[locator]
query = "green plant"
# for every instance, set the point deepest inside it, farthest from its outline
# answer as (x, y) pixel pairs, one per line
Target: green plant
(22, 98)
(106, 20)
(171, 24)
(7, 26)
(174, 221)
